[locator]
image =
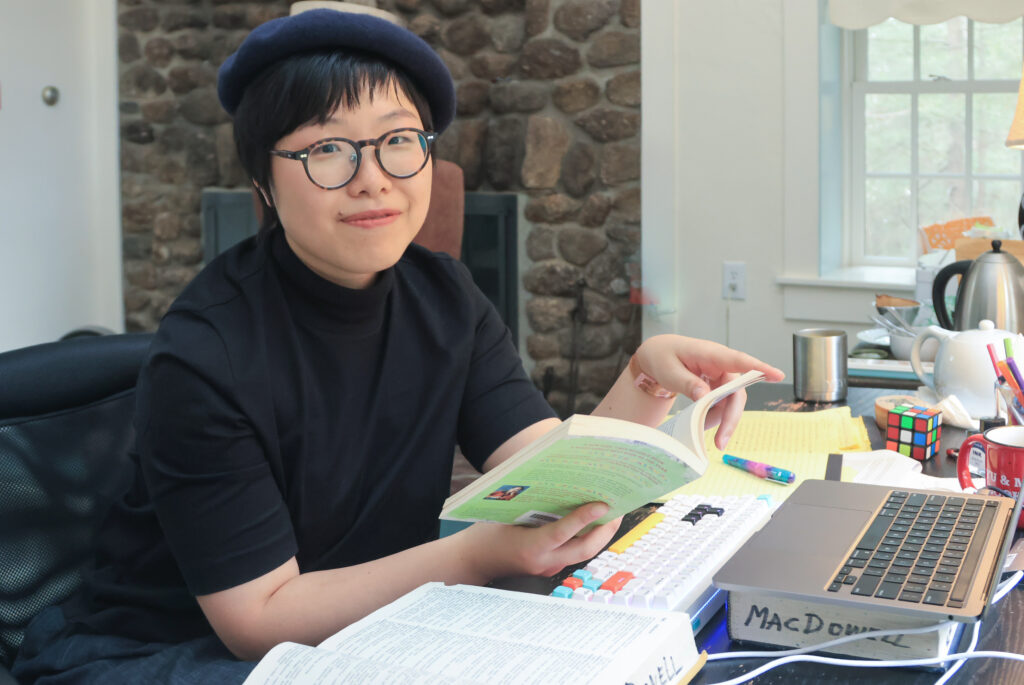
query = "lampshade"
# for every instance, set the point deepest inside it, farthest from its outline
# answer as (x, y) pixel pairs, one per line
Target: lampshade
(1016, 137)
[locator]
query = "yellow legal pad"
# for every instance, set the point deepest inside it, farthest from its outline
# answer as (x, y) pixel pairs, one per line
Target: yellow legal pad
(798, 442)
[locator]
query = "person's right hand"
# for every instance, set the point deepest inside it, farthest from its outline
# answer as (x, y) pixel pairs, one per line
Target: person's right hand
(495, 550)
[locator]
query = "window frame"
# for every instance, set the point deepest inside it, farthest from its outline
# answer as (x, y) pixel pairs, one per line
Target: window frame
(855, 67)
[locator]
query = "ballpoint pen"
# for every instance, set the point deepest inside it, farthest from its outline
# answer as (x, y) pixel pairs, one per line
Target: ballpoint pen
(760, 470)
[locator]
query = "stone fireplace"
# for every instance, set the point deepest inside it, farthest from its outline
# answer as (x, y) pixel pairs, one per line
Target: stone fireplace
(548, 113)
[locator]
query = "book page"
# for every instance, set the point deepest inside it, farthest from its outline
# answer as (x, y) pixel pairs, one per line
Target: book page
(625, 474)
(797, 442)
(465, 634)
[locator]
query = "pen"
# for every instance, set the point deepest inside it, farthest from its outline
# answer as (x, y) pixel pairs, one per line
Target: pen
(995, 360)
(760, 470)
(1008, 346)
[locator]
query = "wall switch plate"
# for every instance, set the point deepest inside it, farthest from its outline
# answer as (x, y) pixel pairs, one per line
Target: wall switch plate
(734, 280)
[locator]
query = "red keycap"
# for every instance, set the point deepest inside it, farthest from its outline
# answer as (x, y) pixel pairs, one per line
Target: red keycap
(617, 580)
(573, 582)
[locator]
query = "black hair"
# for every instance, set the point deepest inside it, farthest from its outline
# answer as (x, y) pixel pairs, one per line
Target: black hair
(303, 89)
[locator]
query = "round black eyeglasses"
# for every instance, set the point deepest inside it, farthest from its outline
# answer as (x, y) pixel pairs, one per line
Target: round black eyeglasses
(332, 163)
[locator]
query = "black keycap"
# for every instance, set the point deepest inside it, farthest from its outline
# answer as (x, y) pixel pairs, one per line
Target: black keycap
(915, 587)
(907, 596)
(944, 577)
(884, 556)
(834, 587)
(888, 548)
(874, 572)
(896, 578)
(916, 499)
(849, 580)
(878, 563)
(856, 563)
(861, 554)
(935, 597)
(889, 590)
(866, 585)
(942, 587)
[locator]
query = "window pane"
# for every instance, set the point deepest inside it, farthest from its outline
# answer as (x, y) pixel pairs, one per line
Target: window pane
(944, 50)
(999, 200)
(887, 219)
(891, 51)
(941, 132)
(887, 133)
(997, 50)
(993, 113)
(941, 199)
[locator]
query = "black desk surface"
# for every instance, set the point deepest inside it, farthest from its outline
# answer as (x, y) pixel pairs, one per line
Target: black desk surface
(1002, 628)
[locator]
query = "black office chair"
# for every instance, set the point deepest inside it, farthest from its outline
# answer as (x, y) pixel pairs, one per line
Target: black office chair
(65, 429)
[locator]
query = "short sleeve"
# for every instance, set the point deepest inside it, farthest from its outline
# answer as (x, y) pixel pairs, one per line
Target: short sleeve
(500, 399)
(205, 468)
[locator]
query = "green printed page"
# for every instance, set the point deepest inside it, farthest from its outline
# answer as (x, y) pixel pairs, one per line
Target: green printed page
(624, 473)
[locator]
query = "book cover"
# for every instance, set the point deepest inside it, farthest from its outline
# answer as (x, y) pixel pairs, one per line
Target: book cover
(793, 623)
(473, 635)
(590, 459)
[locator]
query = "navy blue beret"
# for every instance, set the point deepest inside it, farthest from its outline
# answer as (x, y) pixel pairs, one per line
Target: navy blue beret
(328, 29)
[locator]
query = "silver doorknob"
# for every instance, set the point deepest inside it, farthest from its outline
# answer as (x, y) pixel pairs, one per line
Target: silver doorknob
(51, 95)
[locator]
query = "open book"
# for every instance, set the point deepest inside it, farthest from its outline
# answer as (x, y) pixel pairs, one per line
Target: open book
(472, 635)
(591, 459)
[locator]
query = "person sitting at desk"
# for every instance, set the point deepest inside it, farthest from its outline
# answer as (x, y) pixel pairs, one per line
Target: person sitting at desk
(303, 397)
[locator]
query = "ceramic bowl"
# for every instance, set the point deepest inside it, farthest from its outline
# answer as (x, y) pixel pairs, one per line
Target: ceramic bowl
(900, 346)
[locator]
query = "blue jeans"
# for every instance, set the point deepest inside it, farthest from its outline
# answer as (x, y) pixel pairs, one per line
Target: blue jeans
(50, 657)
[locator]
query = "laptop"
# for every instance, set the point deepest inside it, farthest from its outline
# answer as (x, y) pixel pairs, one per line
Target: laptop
(918, 553)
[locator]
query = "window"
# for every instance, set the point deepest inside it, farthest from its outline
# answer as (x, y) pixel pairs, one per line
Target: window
(928, 109)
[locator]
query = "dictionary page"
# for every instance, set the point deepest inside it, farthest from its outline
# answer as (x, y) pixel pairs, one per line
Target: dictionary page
(467, 634)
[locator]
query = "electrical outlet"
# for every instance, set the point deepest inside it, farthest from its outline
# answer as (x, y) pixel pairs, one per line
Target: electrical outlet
(734, 280)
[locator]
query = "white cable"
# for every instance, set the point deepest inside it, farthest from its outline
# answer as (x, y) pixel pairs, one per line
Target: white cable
(970, 650)
(868, 664)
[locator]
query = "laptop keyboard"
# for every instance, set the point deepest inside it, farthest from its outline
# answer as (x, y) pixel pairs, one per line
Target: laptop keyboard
(919, 548)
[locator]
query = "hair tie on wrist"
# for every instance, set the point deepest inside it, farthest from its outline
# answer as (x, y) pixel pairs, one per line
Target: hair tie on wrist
(647, 383)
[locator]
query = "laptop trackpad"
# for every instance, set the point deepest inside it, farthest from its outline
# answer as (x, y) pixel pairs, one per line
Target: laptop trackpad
(798, 549)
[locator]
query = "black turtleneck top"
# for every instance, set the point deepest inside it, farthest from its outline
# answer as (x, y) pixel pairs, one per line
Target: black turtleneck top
(282, 415)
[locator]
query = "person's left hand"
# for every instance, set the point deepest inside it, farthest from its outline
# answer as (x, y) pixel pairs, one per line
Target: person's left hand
(694, 367)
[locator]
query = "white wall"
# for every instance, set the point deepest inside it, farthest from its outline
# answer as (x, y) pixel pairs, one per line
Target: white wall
(60, 229)
(729, 170)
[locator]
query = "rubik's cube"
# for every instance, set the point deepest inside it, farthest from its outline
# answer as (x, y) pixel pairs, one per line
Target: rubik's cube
(913, 431)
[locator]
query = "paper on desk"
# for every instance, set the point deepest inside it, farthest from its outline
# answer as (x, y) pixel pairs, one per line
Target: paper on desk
(892, 469)
(798, 442)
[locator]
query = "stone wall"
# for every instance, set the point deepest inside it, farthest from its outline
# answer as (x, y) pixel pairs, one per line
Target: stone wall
(548, 108)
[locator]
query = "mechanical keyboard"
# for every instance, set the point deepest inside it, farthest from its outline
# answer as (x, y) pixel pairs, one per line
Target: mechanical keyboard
(668, 559)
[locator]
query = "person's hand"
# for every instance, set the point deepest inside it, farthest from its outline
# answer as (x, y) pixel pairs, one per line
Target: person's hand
(496, 550)
(693, 367)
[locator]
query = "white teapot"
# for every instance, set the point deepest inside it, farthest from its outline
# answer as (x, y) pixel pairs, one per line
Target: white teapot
(962, 364)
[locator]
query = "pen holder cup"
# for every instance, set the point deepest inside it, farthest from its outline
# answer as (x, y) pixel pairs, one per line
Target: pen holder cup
(1006, 400)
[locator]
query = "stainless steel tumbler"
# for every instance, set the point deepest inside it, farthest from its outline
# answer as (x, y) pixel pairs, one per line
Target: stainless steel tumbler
(819, 364)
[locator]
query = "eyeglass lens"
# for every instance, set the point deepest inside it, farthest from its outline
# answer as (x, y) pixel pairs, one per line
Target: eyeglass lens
(401, 154)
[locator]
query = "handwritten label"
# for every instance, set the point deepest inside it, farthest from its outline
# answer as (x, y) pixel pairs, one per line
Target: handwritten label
(795, 623)
(664, 673)
(810, 623)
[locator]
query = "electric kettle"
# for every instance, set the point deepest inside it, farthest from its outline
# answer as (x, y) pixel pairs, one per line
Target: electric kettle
(991, 287)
